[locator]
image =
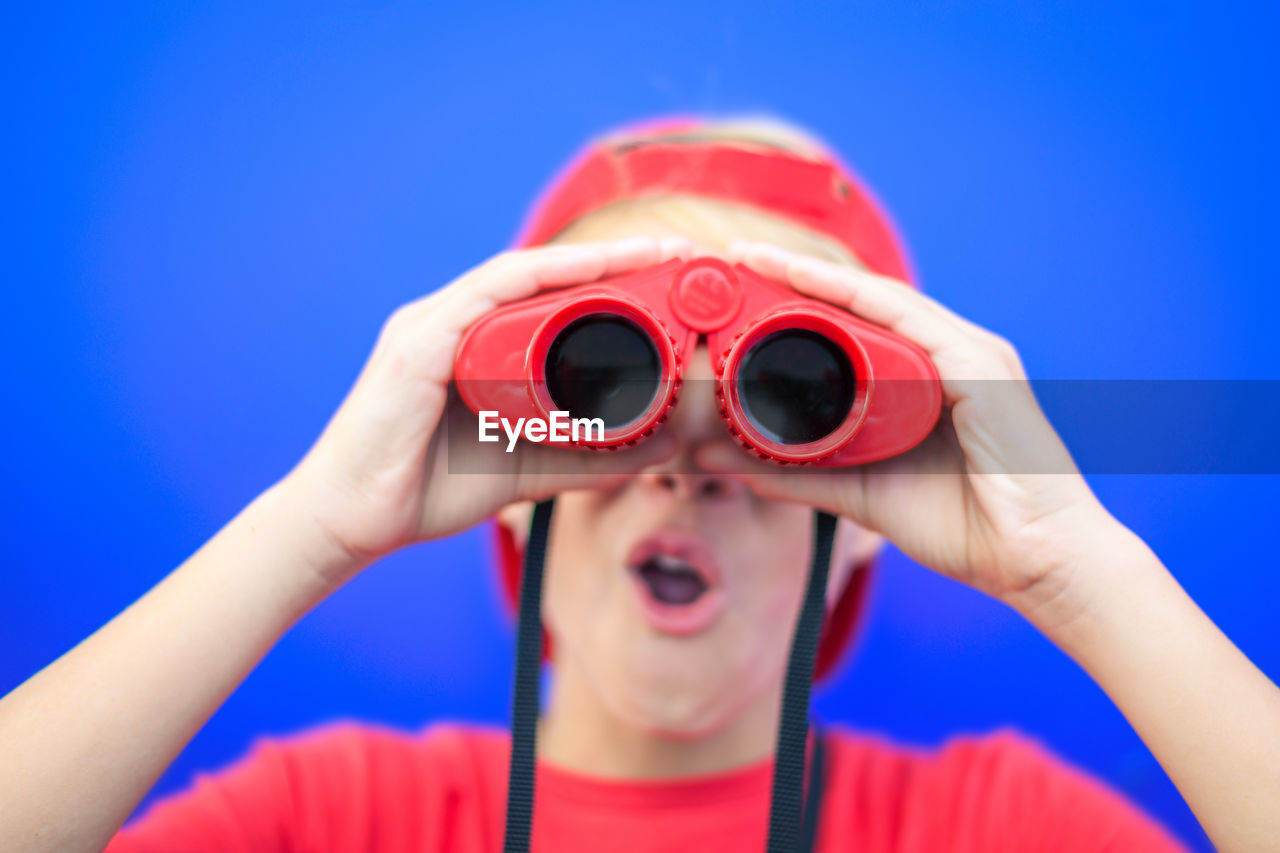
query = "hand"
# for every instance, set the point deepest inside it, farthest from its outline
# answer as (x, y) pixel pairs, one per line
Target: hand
(973, 501)
(378, 478)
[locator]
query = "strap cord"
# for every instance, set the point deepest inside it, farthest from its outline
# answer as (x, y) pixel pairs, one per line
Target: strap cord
(525, 695)
(813, 792)
(785, 810)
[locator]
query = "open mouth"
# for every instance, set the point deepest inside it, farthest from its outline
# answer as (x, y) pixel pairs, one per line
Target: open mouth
(671, 580)
(678, 579)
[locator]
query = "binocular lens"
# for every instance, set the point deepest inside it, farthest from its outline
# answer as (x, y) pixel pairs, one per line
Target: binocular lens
(603, 366)
(796, 386)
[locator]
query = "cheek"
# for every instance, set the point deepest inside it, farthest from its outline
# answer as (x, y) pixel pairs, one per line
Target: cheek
(772, 568)
(580, 589)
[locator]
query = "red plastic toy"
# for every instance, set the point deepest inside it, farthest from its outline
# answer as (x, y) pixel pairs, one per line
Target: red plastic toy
(892, 403)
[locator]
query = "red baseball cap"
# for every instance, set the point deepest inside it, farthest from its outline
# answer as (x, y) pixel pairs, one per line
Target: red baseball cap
(692, 156)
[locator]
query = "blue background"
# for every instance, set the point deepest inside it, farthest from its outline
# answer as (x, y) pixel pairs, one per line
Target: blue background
(208, 212)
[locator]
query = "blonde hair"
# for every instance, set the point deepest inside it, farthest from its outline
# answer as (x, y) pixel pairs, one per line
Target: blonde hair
(713, 224)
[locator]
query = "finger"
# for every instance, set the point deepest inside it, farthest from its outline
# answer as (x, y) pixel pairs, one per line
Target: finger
(676, 247)
(810, 486)
(521, 274)
(425, 332)
(960, 350)
(883, 301)
(849, 491)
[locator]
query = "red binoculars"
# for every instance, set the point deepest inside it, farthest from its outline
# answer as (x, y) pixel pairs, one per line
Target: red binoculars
(797, 380)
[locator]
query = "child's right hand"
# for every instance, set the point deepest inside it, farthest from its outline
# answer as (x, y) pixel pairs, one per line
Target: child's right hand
(378, 477)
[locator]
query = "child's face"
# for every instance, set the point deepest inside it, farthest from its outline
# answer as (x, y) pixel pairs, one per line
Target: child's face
(673, 597)
(620, 630)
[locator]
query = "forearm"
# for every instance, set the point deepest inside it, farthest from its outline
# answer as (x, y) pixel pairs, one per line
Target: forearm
(83, 740)
(1209, 716)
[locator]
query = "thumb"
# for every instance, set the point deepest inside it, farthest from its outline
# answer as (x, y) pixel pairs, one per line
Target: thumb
(822, 488)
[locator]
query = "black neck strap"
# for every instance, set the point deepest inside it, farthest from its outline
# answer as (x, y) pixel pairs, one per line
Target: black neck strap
(785, 812)
(793, 816)
(813, 793)
(524, 700)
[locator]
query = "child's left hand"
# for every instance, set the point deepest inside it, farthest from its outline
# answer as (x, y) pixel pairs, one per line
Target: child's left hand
(967, 502)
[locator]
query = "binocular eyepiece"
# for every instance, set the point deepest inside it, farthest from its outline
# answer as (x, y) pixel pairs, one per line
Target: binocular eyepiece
(797, 380)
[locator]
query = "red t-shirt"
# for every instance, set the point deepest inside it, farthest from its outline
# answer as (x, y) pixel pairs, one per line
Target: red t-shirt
(359, 788)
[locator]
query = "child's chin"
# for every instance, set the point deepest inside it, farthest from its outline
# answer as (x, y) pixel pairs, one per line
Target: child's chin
(680, 710)
(680, 727)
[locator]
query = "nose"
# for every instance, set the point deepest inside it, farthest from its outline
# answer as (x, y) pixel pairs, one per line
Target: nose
(694, 421)
(691, 486)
